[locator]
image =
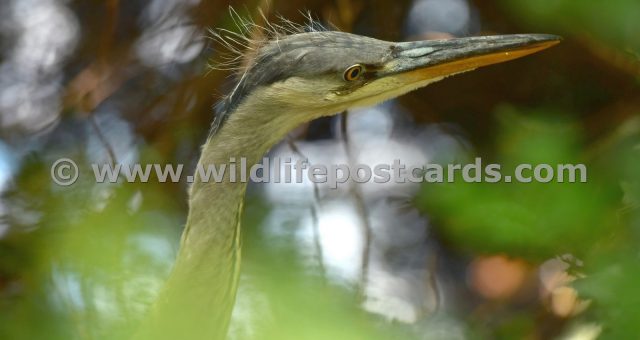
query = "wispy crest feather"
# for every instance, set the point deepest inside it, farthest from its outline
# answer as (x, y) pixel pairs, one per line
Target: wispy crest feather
(237, 48)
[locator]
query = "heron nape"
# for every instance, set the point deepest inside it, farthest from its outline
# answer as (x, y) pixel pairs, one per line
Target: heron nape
(287, 80)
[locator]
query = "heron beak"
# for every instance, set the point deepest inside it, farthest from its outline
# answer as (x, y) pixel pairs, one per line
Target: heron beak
(434, 59)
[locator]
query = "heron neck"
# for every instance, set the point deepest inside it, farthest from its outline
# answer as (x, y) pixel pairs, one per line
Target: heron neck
(198, 298)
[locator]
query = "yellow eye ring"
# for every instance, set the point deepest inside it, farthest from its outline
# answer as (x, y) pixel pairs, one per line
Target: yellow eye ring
(353, 72)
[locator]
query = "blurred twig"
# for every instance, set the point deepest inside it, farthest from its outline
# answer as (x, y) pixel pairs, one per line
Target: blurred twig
(432, 268)
(105, 143)
(623, 61)
(314, 213)
(361, 209)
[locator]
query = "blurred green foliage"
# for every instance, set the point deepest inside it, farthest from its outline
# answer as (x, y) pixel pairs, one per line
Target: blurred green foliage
(531, 220)
(538, 221)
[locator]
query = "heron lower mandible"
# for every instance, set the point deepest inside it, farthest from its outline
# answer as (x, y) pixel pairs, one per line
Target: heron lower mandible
(287, 81)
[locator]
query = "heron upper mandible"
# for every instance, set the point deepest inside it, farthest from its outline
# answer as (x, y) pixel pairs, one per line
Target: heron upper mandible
(289, 80)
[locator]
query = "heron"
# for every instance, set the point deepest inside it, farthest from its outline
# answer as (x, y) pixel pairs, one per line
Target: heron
(286, 80)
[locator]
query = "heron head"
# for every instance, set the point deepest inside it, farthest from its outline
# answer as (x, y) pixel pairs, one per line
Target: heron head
(322, 73)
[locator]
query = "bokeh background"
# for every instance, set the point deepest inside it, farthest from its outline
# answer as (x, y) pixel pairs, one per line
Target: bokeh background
(128, 81)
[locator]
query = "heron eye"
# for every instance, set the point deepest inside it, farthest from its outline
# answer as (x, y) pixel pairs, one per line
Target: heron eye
(353, 73)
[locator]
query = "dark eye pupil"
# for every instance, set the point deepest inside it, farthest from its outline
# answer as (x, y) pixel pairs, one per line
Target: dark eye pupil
(352, 73)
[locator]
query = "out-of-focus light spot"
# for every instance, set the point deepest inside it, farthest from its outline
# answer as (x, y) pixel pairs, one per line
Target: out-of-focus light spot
(111, 140)
(379, 302)
(140, 291)
(341, 237)
(300, 193)
(396, 223)
(174, 43)
(135, 202)
(440, 145)
(169, 37)
(161, 9)
(251, 312)
(388, 152)
(28, 104)
(553, 274)
(366, 124)
(4, 227)
(68, 289)
(45, 33)
(156, 248)
(7, 166)
(442, 326)
(497, 277)
(48, 34)
(338, 231)
(105, 301)
(584, 331)
(563, 299)
(399, 284)
(114, 137)
(447, 16)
